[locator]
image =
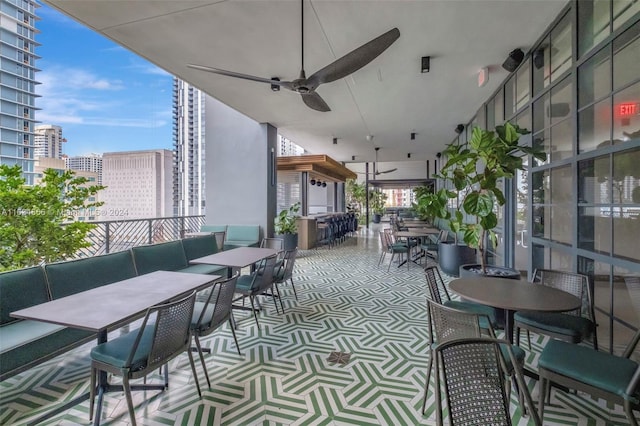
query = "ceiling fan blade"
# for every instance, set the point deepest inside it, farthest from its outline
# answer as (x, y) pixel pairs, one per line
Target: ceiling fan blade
(355, 59)
(315, 101)
(387, 171)
(286, 84)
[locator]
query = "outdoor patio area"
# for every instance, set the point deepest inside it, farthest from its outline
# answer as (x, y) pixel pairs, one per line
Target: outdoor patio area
(287, 373)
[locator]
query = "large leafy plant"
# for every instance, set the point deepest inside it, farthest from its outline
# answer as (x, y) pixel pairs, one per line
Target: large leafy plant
(474, 169)
(37, 223)
(286, 221)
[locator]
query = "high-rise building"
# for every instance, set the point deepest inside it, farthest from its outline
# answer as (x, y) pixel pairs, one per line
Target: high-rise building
(189, 148)
(48, 141)
(17, 80)
(138, 184)
(87, 163)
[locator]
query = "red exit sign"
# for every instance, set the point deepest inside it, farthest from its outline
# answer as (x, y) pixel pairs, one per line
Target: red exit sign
(628, 109)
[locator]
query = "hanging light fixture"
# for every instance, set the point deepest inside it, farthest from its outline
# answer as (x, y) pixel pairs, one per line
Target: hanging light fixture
(312, 181)
(324, 184)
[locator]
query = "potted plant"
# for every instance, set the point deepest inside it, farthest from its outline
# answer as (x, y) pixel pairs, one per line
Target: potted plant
(474, 170)
(377, 200)
(356, 195)
(286, 226)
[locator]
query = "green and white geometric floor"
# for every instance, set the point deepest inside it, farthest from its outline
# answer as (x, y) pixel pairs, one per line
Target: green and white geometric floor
(346, 303)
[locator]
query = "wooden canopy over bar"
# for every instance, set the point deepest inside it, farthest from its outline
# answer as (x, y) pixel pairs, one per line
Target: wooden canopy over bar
(320, 167)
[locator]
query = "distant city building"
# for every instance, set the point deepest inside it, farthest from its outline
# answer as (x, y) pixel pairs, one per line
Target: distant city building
(43, 163)
(87, 163)
(17, 78)
(189, 148)
(287, 148)
(48, 141)
(139, 184)
(399, 197)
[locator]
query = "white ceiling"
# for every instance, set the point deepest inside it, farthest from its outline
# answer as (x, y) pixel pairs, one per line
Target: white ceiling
(389, 98)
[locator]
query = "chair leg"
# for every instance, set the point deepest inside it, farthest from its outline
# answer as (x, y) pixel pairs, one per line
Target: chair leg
(127, 394)
(273, 296)
(233, 331)
(390, 261)
(294, 288)
(92, 392)
(204, 366)
(629, 411)
(253, 308)
(544, 384)
(195, 376)
(437, 391)
(426, 383)
(166, 375)
(279, 296)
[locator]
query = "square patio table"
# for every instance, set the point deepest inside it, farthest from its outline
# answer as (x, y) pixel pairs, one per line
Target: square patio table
(239, 257)
(108, 307)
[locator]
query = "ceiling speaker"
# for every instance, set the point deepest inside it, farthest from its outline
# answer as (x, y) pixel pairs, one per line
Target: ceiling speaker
(515, 58)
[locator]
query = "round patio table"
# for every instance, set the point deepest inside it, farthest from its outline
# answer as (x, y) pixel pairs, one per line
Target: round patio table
(514, 295)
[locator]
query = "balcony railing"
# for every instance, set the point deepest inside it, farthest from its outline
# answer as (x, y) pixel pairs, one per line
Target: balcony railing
(117, 235)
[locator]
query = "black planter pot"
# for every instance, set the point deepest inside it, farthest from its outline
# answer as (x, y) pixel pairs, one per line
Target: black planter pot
(475, 270)
(290, 240)
(376, 218)
(451, 256)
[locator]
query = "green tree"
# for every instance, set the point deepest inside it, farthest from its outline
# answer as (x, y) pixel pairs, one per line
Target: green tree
(37, 222)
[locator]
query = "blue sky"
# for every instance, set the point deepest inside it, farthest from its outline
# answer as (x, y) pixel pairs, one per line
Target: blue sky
(104, 97)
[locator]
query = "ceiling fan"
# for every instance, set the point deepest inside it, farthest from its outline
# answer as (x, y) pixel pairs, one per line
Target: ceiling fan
(306, 87)
(375, 165)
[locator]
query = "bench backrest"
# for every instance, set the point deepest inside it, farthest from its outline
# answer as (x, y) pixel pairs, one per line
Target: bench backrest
(199, 246)
(243, 233)
(21, 289)
(159, 257)
(74, 276)
(213, 228)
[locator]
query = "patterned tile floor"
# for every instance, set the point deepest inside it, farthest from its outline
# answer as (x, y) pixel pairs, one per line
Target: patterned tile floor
(346, 304)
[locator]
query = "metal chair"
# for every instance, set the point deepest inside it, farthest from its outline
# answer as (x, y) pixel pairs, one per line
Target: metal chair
(572, 327)
(285, 273)
(473, 374)
(613, 378)
(384, 246)
(430, 247)
(395, 248)
(272, 243)
(257, 283)
(210, 314)
(446, 324)
(439, 293)
(164, 334)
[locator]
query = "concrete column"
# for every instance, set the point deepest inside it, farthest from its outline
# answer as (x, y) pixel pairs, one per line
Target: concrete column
(240, 169)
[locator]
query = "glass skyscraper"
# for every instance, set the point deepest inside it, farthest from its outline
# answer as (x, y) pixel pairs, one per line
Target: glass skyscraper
(17, 84)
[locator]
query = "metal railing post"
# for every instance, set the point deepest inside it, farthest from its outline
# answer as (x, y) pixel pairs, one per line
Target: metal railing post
(107, 234)
(150, 232)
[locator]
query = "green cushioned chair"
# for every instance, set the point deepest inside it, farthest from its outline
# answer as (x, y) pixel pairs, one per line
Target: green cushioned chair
(257, 283)
(572, 327)
(439, 293)
(212, 313)
(213, 228)
(447, 323)
(613, 378)
(163, 335)
(75, 276)
(395, 248)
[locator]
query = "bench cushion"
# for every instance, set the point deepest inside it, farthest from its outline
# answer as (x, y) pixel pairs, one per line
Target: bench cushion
(28, 343)
(199, 246)
(613, 373)
(21, 289)
(243, 233)
(74, 276)
(231, 244)
(159, 257)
